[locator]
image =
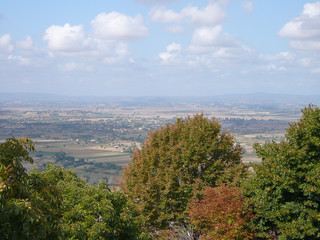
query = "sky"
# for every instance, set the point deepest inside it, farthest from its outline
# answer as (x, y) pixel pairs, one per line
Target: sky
(159, 48)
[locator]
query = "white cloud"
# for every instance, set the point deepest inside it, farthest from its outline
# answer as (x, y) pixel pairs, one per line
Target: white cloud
(170, 56)
(248, 6)
(206, 35)
(157, 2)
(175, 29)
(282, 56)
(307, 45)
(117, 26)
(6, 44)
(165, 16)
(312, 9)
(165, 57)
(69, 67)
(212, 40)
(70, 41)
(273, 67)
(174, 47)
(305, 62)
(26, 44)
(65, 38)
(120, 52)
(122, 49)
(72, 66)
(19, 59)
(316, 70)
(213, 13)
(304, 31)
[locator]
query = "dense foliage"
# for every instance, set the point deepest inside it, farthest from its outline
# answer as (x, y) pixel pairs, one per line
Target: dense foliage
(91, 212)
(221, 214)
(174, 161)
(29, 206)
(285, 189)
(175, 188)
(56, 204)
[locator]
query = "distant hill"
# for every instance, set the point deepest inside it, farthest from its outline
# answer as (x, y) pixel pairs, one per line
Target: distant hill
(249, 100)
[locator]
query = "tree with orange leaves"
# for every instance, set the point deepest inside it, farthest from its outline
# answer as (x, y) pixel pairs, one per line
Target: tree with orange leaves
(221, 214)
(175, 161)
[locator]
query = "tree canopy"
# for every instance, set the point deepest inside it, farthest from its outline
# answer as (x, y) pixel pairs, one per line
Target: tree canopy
(173, 162)
(56, 204)
(221, 214)
(175, 183)
(29, 206)
(285, 188)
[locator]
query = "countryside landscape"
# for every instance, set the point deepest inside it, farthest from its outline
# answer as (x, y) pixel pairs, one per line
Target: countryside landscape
(160, 120)
(97, 136)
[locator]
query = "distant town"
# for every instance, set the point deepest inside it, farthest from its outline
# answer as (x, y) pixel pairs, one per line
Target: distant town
(96, 136)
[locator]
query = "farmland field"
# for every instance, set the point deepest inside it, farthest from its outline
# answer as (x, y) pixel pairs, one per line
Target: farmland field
(97, 139)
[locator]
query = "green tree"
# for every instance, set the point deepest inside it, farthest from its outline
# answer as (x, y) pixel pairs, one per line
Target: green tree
(56, 204)
(29, 207)
(91, 212)
(173, 162)
(285, 187)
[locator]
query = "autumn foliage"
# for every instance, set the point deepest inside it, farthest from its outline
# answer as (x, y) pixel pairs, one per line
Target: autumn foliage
(175, 161)
(221, 214)
(186, 182)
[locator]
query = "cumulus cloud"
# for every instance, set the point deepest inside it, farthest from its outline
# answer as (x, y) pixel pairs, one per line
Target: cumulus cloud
(155, 2)
(282, 57)
(19, 60)
(233, 52)
(312, 9)
(174, 47)
(206, 35)
(171, 54)
(248, 6)
(72, 66)
(175, 29)
(311, 63)
(165, 16)
(213, 13)
(26, 44)
(306, 46)
(273, 67)
(65, 38)
(117, 26)
(6, 43)
(305, 62)
(68, 40)
(304, 31)
(209, 43)
(121, 50)
(207, 40)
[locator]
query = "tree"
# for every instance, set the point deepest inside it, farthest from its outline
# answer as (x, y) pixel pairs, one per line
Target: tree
(91, 212)
(56, 204)
(221, 214)
(173, 162)
(29, 206)
(285, 187)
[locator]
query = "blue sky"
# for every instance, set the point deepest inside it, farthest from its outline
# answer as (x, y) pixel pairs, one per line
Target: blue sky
(160, 48)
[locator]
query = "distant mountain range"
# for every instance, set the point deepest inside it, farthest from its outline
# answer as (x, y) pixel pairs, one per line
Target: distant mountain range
(253, 99)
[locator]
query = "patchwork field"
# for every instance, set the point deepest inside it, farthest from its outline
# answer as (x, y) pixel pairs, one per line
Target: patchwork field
(96, 140)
